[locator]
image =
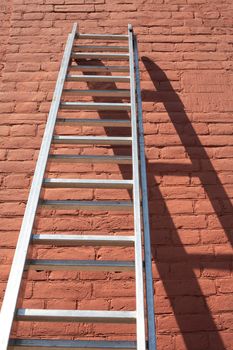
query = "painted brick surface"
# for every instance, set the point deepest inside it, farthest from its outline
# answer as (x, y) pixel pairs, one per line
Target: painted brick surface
(186, 76)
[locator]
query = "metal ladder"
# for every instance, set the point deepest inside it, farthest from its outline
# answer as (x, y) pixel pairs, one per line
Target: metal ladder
(145, 331)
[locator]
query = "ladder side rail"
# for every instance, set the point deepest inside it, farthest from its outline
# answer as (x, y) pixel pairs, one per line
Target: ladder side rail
(145, 210)
(140, 326)
(13, 286)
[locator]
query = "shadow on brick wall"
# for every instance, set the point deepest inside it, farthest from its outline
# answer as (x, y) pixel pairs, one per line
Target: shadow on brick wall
(183, 289)
(183, 286)
(181, 305)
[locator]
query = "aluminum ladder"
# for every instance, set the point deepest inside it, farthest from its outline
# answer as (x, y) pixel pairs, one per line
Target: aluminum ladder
(145, 326)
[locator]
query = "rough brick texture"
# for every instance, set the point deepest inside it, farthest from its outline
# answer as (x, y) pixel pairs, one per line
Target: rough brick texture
(187, 78)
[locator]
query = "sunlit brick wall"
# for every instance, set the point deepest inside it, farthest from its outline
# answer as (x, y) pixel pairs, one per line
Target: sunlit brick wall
(187, 77)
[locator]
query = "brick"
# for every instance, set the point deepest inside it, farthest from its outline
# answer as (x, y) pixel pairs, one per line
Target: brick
(178, 192)
(60, 224)
(180, 254)
(73, 8)
(20, 155)
(221, 129)
(78, 194)
(166, 323)
(189, 305)
(111, 194)
(27, 86)
(185, 270)
(26, 107)
(205, 206)
(84, 253)
(71, 290)
(217, 269)
(175, 180)
(60, 304)
(2, 154)
(114, 289)
(7, 224)
(28, 67)
(11, 209)
(62, 276)
(33, 16)
(11, 194)
(95, 304)
(195, 341)
(224, 285)
(215, 223)
(4, 130)
(220, 303)
(213, 236)
(179, 206)
(16, 166)
(186, 237)
(173, 153)
(223, 152)
(221, 339)
(108, 253)
(16, 181)
(186, 287)
(23, 130)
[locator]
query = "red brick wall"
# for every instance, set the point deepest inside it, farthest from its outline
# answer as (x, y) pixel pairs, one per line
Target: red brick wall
(186, 73)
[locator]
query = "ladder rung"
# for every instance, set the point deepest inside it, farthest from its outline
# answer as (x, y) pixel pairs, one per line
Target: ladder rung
(79, 265)
(87, 205)
(90, 159)
(110, 93)
(99, 68)
(98, 48)
(93, 140)
(101, 56)
(84, 240)
(81, 183)
(76, 316)
(98, 78)
(55, 344)
(102, 36)
(95, 106)
(95, 122)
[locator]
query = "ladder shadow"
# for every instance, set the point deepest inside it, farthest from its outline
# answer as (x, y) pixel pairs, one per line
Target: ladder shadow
(190, 329)
(178, 270)
(124, 170)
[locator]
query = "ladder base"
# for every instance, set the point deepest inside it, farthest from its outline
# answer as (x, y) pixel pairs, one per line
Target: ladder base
(41, 344)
